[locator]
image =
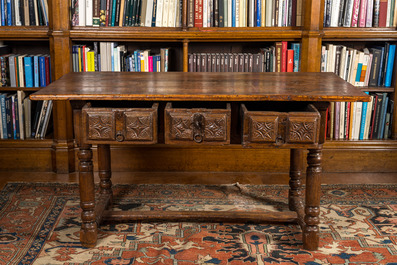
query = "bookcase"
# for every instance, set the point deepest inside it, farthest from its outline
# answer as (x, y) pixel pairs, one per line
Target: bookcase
(58, 153)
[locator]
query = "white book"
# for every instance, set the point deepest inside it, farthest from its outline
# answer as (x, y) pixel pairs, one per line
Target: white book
(20, 98)
(172, 20)
(116, 58)
(353, 54)
(330, 58)
(369, 16)
(146, 60)
(323, 65)
(368, 119)
(159, 13)
(237, 14)
(342, 64)
(82, 13)
(102, 48)
(166, 6)
(243, 13)
(285, 13)
(280, 13)
(342, 120)
(335, 13)
(40, 122)
(251, 13)
(44, 9)
(27, 112)
(225, 14)
(88, 12)
(357, 120)
(368, 70)
(229, 14)
(149, 13)
(21, 70)
(17, 16)
(347, 64)
(353, 68)
(26, 12)
(210, 11)
(347, 20)
(205, 13)
(46, 119)
(36, 12)
(388, 13)
(269, 13)
(178, 22)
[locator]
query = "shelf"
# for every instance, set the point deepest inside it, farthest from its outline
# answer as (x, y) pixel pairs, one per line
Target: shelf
(25, 33)
(27, 143)
(378, 89)
(191, 34)
(365, 34)
(362, 144)
(9, 88)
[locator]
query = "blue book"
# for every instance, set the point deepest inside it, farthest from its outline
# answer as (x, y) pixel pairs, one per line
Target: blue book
(3, 115)
(154, 63)
(233, 13)
(42, 71)
(10, 134)
(9, 13)
(36, 82)
(258, 13)
(358, 73)
(383, 116)
(112, 46)
(114, 13)
(390, 63)
(137, 68)
(296, 47)
(3, 14)
(27, 60)
(363, 117)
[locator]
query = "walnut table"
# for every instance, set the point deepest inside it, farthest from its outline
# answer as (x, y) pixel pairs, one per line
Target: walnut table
(256, 110)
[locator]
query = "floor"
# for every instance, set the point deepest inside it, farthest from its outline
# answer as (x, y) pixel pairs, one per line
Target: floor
(199, 178)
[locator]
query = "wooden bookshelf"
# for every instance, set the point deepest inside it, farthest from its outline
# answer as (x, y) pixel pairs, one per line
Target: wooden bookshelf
(59, 153)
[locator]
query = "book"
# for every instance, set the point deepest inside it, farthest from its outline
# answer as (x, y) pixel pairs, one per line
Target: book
(46, 120)
(390, 64)
(29, 81)
(385, 100)
(27, 105)
(363, 120)
(3, 115)
(290, 60)
(21, 123)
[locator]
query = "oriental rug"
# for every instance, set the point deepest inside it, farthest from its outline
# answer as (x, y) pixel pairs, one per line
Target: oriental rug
(40, 223)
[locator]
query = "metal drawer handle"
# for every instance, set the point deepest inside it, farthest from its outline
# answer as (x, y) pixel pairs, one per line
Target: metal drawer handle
(119, 137)
(198, 127)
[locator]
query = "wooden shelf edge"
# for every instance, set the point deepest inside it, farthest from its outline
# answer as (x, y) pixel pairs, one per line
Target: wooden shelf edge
(175, 34)
(343, 33)
(364, 144)
(28, 143)
(24, 33)
(377, 89)
(9, 88)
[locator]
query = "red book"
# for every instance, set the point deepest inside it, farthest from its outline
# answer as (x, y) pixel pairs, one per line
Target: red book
(356, 8)
(284, 56)
(150, 62)
(362, 18)
(47, 70)
(290, 60)
(198, 13)
(382, 13)
(347, 120)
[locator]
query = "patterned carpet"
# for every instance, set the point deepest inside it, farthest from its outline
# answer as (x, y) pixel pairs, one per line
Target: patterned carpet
(39, 224)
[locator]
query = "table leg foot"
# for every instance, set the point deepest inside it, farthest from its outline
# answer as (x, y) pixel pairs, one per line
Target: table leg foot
(88, 235)
(312, 207)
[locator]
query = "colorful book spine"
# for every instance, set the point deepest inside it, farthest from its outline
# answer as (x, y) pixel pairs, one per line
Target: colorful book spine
(296, 48)
(36, 76)
(42, 71)
(363, 119)
(28, 71)
(150, 63)
(3, 115)
(390, 64)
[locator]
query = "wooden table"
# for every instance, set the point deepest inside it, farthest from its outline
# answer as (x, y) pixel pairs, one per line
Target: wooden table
(273, 110)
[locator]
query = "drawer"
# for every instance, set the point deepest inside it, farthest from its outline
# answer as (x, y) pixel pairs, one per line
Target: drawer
(289, 123)
(134, 123)
(197, 123)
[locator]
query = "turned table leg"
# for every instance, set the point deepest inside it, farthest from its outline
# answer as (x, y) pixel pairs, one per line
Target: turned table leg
(312, 207)
(105, 172)
(295, 202)
(88, 232)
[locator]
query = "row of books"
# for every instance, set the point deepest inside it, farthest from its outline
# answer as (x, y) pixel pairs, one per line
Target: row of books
(110, 13)
(356, 13)
(369, 67)
(25, 70)
(109, 56)
(361, 120)
(244, 13)
(264, 61)
(24, 12)
(20, 119)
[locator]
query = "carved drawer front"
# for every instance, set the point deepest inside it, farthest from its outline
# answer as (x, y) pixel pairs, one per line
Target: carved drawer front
(281, 127)
(109, 124)
(197, 125)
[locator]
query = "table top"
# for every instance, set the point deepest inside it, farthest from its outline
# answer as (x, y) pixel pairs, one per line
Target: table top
(178, 86)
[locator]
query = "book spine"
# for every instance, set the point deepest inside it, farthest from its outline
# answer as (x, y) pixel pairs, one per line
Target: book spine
(28, 71)
(362, 19)
(3, 115)
(390, 64)
(356, 8)
(370, 11)
(347, 22)
(363, 119)
(284, 56)
(382, 13)
(382, 116)
(42, 71)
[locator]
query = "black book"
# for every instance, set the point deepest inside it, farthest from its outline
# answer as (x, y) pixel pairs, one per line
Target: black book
(221, 13)
(216, 12)
(36, 117)
(32, 17)
(10, 125)
(117, 17)
(40, 13)
(22, 12)
(102, 13)
(138, 15)
(378, 110)
(376, 58)
(154, 13)
(133, 12)
(126, 12)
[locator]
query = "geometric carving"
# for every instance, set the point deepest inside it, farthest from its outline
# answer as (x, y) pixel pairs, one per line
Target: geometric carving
(263, 128)
(100, 127)
(139, 125)
(215, 127)
(181, 127)
(302, 131)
